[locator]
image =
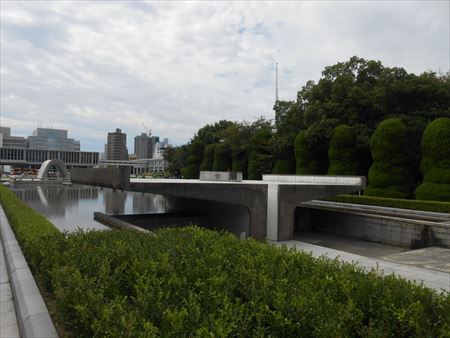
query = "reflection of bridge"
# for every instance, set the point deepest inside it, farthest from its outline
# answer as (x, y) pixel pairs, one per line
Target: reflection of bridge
(35, 157)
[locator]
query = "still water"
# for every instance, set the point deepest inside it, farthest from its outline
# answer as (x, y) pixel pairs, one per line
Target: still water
(71, 207)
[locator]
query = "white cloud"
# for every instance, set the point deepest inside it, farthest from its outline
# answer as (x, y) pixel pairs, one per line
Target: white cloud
(93, 66)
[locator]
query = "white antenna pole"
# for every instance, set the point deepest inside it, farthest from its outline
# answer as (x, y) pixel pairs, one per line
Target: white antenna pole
(276, 81)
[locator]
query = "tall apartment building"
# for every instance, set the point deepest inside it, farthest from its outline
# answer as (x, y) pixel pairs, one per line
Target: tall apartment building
(144, 145)
(8, 141)
(116, 146)
(52, 139)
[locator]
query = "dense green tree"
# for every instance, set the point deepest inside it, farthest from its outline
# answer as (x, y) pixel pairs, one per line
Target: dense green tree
(177, 158)
(222, 157)
(208, 158)
(435, 163)
(260, 155)
(194, 160)
(342, 153)
(360, 93)
(288, 120)
(392, 173)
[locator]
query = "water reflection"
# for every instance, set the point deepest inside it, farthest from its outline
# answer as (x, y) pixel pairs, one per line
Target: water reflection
(69, 207)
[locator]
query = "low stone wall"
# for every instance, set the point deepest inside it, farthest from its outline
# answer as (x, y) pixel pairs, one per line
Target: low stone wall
(403, 232)
(116, 178)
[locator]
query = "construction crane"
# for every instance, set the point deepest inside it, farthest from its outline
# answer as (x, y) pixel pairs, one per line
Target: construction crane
(147, 128)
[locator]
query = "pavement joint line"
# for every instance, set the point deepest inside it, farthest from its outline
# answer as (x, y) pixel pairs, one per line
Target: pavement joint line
(43, 326)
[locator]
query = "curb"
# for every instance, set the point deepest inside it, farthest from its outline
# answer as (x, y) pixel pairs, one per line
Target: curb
(32, 314)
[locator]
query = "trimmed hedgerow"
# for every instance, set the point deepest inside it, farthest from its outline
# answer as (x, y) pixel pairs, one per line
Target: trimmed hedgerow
(392, 173)
(432, 206)
(435, 163)
(305, 162)
(194, 160)
(222, 158)
(193, 282)
(208, 158)
(283, 167)
(342, 152)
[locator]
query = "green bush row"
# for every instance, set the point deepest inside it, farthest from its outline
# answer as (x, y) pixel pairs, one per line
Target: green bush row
(432, 206)
(200, 283)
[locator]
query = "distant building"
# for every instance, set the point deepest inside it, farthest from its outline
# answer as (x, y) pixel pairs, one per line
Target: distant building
(8, 141)
(160, 148)
(52, 139)
(144, 145)
(116, 146)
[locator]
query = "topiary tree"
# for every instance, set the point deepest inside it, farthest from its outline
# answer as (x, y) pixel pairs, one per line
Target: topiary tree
(435, 162)
(306, 163)
(392, 173)
(342, 152)
(222, 158)
(260, 157)
(208, 157)
(196, 149)
(283, 167)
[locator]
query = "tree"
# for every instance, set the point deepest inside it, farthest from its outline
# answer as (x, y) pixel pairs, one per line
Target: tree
(260, 156)
(392, 173)
(435, 163)
(196, 149)
(222, 158)
(177, 158)
(342, 152)
(208, 158)
(288, 120)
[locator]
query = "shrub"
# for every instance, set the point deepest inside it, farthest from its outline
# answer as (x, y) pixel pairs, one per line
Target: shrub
(283, 167)
(260, 156)
(392, 173)
(306, 158)
(435, 163)
(222, 158)
(432, 206)
(208, 158)
(342, 152)
(194, 159)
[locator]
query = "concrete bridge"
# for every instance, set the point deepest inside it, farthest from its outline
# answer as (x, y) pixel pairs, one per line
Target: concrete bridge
(268, 205)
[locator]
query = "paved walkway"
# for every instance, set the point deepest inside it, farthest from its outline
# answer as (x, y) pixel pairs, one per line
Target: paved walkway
(8, 319)
(431, 278)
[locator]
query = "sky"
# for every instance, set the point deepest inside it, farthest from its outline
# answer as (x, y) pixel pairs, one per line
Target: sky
(93, 66)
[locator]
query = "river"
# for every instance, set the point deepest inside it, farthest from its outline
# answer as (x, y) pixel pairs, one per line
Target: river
(72, 207)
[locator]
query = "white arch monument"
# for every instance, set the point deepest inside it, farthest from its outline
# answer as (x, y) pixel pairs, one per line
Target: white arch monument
(58, 164)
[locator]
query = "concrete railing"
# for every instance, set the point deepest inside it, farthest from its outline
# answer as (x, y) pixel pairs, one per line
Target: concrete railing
(223, 176)
(317, 179)
(32, 314)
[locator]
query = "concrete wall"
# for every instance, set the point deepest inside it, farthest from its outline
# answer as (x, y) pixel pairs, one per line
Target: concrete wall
(116, 178)
(226, 216)
(407, 233)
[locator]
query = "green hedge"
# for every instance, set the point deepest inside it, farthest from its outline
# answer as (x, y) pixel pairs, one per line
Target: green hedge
(199, 283)
(342, 152)
(304, 163)
(435, 163)
(394, 203)
(283, 167)
(208, 158)
(392, 173)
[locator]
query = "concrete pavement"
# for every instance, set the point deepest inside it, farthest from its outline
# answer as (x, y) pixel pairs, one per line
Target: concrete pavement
(8, 318)
(431, 278)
